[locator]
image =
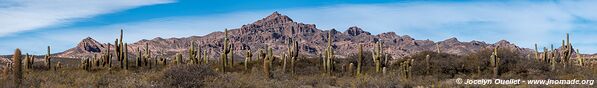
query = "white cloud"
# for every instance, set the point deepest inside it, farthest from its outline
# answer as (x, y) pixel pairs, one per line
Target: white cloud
(24, 15)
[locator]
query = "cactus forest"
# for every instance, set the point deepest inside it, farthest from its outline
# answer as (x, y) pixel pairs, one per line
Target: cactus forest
(206, 45)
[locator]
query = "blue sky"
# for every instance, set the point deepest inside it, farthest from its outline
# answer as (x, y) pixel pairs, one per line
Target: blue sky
(34, 24)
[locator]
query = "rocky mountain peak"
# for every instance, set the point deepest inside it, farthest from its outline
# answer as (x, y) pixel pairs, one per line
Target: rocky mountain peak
(354, 31)
(89, 45)
(502, 42)
(274, 18)
(451, 40)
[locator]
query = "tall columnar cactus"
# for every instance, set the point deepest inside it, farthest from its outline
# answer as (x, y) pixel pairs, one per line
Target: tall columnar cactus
(568, 49)
(360, 60)
(178, 59)
(205, 56)
(544, 55)
(406, 67)
(95, 60)
(17, 67)
(579, 58)
(384, 70)
(121, 46)
(58, 66)
(329, 55)
(536, 52)
(495, 61)
(323, 61)
(293, 51)
(27, 60)
(267, 63)
(139, 57)
(117, 49)
(225, 51)
(193, 54)
(107, 57)
(121, 51)
(248, 56)
(377, 55)
(262, 54)
(48, 59)
(350, 68)
(147, 55)
(125, 56)
(86, 64)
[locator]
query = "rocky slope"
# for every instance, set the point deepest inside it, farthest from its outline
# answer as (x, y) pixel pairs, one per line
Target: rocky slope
(275, 29)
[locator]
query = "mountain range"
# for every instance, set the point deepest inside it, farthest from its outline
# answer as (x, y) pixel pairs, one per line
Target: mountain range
(276, 29)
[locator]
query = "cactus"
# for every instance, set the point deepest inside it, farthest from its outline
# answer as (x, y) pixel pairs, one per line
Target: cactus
(178, 59)
(495, 61)
(125, 56)
(225, 51)
(121, 51)
(27, 60)
(405, 67)
(536, 52)
(267, 63)
(360, 60)
(350, 68)
(323, 61)
(121, 46)
(96, 60)
(86, 64)
(147, 55)
(205, 57)
(377, 55)
(108, 57)
(117, 49)
(58, 66)
(248, 56)
(551, 55)
(139, 57)
(193, 53)
(329, 55)
(579, 58)
(48, 59)
(567, 50)
(293, 51)
(383, 70)
(17, 67)
(545, 51)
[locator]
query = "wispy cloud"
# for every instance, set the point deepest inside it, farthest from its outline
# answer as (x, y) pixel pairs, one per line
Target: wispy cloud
(24, 15)
(522, 23)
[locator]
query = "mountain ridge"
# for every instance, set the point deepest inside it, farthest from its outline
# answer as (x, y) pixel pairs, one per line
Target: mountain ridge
(274, 30)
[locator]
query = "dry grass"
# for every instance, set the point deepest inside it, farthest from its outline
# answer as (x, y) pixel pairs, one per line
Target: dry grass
(443, 69)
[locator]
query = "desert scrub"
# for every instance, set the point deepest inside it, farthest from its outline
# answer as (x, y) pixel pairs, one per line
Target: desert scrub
(186, 76)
